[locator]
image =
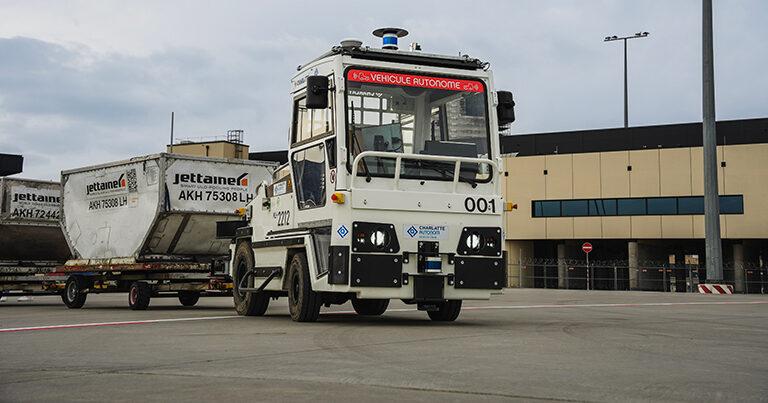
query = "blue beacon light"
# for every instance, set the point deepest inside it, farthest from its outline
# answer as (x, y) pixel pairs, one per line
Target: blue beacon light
(389, 36)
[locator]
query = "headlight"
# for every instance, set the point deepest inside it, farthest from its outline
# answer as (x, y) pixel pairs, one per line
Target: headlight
(374, 237)
(378, 239)
(473, 241)
(480, 241)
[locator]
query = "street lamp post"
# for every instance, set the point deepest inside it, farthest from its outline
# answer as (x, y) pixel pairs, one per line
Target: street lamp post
(624, 38)
(712, 240)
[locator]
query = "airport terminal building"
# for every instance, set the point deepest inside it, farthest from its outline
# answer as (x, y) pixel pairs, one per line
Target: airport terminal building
(636, 194)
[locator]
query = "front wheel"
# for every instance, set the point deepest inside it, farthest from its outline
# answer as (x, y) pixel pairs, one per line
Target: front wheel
(447, 311)
(246, 303)
(370, 307)
(303, 303)
(74, 294)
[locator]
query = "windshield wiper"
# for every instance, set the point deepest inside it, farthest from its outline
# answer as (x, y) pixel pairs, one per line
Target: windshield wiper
(447, 173)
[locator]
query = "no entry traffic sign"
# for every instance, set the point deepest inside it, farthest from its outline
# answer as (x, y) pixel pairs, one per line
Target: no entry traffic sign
(586, 247)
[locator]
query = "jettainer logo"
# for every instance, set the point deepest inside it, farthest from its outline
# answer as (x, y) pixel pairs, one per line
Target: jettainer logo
(113, 190)
(106, 186)
(241, 180)
(33, 197)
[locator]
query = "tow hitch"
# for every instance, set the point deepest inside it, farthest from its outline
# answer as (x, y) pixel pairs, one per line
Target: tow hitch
(278, 271)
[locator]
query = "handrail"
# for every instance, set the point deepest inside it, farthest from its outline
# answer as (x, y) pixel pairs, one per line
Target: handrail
(398, 157)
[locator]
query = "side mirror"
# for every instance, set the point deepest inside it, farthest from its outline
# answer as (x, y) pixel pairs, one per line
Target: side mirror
(317, 92)
(506, 108)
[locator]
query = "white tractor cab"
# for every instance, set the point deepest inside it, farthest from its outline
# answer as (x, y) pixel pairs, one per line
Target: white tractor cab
(392, 189)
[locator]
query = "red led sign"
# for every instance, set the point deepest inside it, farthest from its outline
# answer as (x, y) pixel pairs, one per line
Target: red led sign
(410, 80)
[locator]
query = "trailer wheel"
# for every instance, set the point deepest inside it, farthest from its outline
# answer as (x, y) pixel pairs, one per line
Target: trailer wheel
(370, 307)
(189, 298)
(139, 295)
(246, 303)
(448, 311)
(74, 294)
(303, 303)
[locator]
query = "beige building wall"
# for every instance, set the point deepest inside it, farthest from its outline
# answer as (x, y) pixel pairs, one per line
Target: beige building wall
(219, 149)
(519, 273)
(639, 173)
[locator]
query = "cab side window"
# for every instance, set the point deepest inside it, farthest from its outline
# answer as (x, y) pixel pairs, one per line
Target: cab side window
(309, 123)
(309, 175)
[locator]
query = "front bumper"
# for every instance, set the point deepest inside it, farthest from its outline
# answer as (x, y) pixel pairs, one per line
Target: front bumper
(397, 276)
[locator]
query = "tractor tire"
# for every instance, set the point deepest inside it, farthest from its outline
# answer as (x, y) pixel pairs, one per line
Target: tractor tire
(246, 303)
(448, 311)
(303, 303)
(370, 307)
(189, 298)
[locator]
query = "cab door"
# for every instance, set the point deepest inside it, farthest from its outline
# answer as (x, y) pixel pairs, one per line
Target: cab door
(312, 161)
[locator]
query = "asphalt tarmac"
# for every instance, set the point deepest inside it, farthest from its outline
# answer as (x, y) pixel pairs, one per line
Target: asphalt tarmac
(551, 345)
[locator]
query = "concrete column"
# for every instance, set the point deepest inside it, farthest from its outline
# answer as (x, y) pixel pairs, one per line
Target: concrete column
(561, 267)
(738, 267)
(633, 257)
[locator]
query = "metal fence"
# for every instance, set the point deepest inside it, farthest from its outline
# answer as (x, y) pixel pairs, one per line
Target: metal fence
(620, 275)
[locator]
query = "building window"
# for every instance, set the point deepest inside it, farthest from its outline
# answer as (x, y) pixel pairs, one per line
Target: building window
(546, 208)
(662, 205)
(631, 206)
(685, 205)
(731, 205)
(690, 205)
(601, 207)
(574, 208)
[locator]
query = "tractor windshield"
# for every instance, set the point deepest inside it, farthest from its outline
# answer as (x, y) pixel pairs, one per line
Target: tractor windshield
(417, 114)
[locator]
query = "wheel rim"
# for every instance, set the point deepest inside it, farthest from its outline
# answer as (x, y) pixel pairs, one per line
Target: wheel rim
(72, 291)
(133, 295)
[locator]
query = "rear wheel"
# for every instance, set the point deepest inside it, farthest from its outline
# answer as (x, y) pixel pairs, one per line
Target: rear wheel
(370, 307)
(139, 296)
(189, 298)
(447, 311)
(246, 303)
(303, 303)
(74, 294)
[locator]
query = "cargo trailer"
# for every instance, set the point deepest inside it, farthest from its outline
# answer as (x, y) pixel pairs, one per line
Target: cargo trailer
(147, 226)
(32, 244)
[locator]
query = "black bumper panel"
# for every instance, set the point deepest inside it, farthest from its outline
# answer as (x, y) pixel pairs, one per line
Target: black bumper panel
(377, 270)
(428, 288)
(480, 273)
(338, 265)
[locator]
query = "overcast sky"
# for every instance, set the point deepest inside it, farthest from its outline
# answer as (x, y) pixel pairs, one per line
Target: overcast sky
(85, 82)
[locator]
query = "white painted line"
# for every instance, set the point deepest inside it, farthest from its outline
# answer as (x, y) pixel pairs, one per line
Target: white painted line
(123, 323)
(355, 313)
(470, 308)
(624, 305)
